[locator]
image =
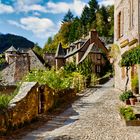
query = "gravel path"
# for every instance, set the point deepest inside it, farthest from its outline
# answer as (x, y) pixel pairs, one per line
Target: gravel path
(94, 116)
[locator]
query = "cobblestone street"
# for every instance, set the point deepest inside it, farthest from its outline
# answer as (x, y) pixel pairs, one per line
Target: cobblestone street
(94, 116)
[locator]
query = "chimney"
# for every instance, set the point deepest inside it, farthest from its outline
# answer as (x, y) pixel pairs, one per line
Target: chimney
(93, 35)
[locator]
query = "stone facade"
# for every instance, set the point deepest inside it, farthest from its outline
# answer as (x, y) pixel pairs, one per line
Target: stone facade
(126, 35)
(19, 64)
(49, 58)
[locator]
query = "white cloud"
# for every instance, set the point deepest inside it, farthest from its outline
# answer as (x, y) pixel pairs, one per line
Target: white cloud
(106, 2)
(78, 6)
(6, 8)
(36, 14)
(56, 8)
(62, 7)
(40, 27)
(28, 5)
(75, 6)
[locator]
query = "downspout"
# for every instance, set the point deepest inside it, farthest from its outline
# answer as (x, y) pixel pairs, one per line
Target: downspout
(139, 22)
(138, 68)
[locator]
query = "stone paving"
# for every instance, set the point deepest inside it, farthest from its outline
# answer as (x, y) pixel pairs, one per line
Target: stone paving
(94, 116)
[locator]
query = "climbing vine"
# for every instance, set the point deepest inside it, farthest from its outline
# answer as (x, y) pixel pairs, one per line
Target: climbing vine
(130, 58)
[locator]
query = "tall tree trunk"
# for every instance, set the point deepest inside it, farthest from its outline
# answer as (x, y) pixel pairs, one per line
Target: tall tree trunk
(127, 70)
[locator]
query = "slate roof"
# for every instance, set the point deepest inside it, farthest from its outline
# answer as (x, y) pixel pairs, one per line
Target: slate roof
(86, 53)
(11, 49)
(61, 52)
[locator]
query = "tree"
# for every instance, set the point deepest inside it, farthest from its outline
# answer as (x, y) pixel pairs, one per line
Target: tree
(110, 11)
(93, 7)
(75, 30)
(85, 18)
(49, 40)
(102, 21)
(68, 17)
(64, 33)
(51, 44)
(38, 50)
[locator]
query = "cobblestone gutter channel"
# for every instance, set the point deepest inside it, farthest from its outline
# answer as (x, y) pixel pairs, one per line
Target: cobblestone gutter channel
(95, 116)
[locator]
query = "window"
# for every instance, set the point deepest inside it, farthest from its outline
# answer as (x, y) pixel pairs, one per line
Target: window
(131, 14)
(119, 25)
(98, 68)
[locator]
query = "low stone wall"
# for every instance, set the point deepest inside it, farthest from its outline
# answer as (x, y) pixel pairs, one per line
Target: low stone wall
(50, 99)
(31, 101)
(22, 108)
(7, 89)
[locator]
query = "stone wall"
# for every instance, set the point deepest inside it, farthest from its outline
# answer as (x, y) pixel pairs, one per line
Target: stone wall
(31, 101)
(7, 89)
(22, 66)
(49, 58)
(22, 108)
(8, 74)
(15, 71)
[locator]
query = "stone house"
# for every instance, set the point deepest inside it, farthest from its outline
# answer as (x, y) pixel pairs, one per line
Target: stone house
(126, 36)
(19, 63)
(90, 46)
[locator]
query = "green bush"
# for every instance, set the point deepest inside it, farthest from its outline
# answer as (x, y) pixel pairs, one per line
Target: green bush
(94, 79)
(131, 57)
(127, 113)
(85, 68)
(126, 95)
(56, 80)
(70, 67)
(78, 81)
(135, 82)
(4, 101)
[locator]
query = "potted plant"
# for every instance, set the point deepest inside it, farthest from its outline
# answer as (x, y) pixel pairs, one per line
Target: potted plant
(127, 113)
(133, 100)
(125, 96)
(135, 84)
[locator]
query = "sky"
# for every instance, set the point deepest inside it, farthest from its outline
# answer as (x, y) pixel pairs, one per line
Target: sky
(37, 20)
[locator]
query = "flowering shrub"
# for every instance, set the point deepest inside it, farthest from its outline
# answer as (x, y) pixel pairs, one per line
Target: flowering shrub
(56, 80)
(78, 81)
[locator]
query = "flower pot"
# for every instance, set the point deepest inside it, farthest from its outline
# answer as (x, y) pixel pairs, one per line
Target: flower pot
(127, 102)
(132, 101)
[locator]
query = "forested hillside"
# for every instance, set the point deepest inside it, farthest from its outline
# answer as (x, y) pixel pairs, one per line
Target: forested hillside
(93, 17)
(17, 41)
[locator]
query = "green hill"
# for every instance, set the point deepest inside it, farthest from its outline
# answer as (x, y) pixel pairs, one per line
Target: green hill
(6, 40)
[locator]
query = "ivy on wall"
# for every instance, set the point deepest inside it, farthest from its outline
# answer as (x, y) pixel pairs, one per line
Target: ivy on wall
(131, 57)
